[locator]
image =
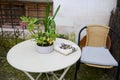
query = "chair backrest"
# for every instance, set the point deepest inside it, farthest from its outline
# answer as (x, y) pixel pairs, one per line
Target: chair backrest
(97, 35)
(83, 42)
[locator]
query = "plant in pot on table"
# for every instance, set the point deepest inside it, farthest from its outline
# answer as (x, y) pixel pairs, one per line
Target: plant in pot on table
(42, 29)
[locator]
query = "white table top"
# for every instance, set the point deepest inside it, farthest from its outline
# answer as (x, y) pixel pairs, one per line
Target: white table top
(24, 56)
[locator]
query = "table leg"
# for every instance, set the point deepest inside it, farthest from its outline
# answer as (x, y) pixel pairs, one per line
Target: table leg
(38, 76)
(47, 76)
(29, 75)
(54, 75)
(63, 74)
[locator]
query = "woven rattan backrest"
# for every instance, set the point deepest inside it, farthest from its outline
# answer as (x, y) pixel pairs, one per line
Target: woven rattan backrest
(97, 35)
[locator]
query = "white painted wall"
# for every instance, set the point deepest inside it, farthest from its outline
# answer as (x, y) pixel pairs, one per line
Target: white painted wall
(74, 14)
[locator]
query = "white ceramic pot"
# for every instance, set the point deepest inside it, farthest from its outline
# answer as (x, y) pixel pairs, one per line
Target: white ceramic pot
(45, 49)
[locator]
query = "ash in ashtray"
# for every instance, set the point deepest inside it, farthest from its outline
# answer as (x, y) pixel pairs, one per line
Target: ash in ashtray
(67, 46)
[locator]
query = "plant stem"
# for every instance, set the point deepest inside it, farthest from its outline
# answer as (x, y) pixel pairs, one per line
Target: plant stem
(38, 31)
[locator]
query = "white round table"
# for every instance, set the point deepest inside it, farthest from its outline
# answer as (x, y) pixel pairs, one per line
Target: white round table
(25, 57)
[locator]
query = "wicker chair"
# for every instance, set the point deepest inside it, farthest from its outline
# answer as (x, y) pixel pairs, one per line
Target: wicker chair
(95, 49)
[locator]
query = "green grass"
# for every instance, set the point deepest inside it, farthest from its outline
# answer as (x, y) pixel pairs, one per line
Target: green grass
(7, 72)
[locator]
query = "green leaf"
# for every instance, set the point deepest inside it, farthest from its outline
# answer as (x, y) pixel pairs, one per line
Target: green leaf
(56, 11)
(24, 19)
(47, 16)
(47, 11)
(53, 24)
(30, 27)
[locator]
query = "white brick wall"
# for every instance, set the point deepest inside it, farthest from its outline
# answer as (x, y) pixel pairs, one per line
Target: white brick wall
(74, 14)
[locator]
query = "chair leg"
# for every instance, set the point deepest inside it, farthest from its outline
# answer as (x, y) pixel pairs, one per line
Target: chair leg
(77, 69)
(118, 73)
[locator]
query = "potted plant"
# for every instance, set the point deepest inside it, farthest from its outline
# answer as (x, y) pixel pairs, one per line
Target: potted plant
(43, 30)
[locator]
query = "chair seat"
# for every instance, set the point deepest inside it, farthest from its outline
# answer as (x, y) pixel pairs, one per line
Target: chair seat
(97, 56)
